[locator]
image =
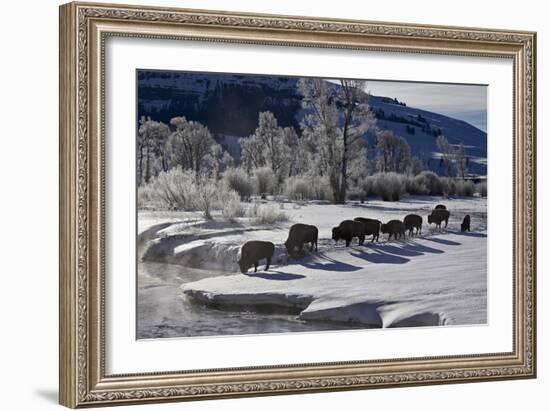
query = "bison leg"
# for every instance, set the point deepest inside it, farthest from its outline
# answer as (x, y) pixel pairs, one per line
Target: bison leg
(348, 241)
(446, 222)
(268, 262)
(256, 267)
(361, 240)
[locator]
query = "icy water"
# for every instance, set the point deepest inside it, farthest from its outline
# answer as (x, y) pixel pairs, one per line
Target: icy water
(164, 311)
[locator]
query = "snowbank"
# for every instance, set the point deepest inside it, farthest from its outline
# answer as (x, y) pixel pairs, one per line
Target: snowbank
(436, 280)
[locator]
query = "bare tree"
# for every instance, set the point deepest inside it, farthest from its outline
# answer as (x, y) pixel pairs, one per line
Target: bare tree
(447, 155)
(461, 161)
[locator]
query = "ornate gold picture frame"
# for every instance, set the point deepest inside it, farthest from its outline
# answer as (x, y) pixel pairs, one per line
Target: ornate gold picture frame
(84, 29)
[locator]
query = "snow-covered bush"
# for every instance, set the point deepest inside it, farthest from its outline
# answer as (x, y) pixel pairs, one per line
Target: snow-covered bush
(481, 189)
(320, 189)
(464, 188)
(415, 186)
(297, 188)
(232, 207)
(237, 179)
(265, 181)
(175, 188)
(300, 188)
(389, 186)
(266, 214)
(431, 182)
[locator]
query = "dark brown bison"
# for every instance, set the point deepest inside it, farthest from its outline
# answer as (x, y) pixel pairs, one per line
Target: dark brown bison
(440, 207)
(438, 216)
(465, 226)
(372, 227)
(298, 235)
(254, 251)
(413, 221)
(395, 228)
(347, 230)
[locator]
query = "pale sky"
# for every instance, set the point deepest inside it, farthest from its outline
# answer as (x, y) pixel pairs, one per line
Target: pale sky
(465, 102)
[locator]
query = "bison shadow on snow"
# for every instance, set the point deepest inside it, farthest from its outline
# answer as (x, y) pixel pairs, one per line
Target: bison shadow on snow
(472, 234)
(443, 241)
(330, 265)
(277, 275)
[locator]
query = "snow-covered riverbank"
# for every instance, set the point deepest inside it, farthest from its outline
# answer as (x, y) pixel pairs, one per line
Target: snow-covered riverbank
(436, 279)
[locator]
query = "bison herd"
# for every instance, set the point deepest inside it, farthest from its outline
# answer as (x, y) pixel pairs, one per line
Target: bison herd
(252, 252)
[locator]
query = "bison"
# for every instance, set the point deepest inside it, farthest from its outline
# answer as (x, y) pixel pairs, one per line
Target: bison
(254, 251)
(438, 216)
(347, 230)
(413, 221)
(372, 227)
(440, 207)
(465, 226)
(298, 235)
(395, 228)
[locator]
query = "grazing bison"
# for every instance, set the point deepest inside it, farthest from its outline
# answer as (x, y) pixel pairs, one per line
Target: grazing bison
(438, 216)
(465, 226)
(395, 228)
(441, 207)
(254, 251)
(298, 235)
(372, 227)
(411, 222)
(347, 230)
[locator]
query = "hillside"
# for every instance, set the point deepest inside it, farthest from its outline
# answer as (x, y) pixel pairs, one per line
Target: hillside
(228, 104)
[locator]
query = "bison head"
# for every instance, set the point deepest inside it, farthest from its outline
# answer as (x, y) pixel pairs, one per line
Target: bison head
(243, 266)
(384, 228)
(335, 233)
(430, 219)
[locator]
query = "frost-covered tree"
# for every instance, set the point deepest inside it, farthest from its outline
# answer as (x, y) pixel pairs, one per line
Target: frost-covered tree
(447, 155)
(461, 161)
(150, 141)
(393, 153)
(190, 144)
(339, 118)
(268, 147)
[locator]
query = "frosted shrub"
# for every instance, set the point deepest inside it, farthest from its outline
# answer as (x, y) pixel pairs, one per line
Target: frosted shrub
(239, 181)
(266, 214)
(296, 188)
(448, 186)
(320, 189)
(265, 181)
(481, 189)
(389, 186)
(465, 188)
(171, 189)
(431, 183)
(415, 186)
(367, 186)
(146, 197)
(232, 207)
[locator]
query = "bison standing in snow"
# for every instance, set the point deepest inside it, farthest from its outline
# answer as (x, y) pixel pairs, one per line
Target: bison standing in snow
(413, 221)
(372, 227)
(254, 251)
(438, 216)
(465, 226)
(347, 230)
(395, 228)
(298, 235)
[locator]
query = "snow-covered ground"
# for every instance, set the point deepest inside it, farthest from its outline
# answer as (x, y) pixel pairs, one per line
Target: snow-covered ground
(434, 279)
